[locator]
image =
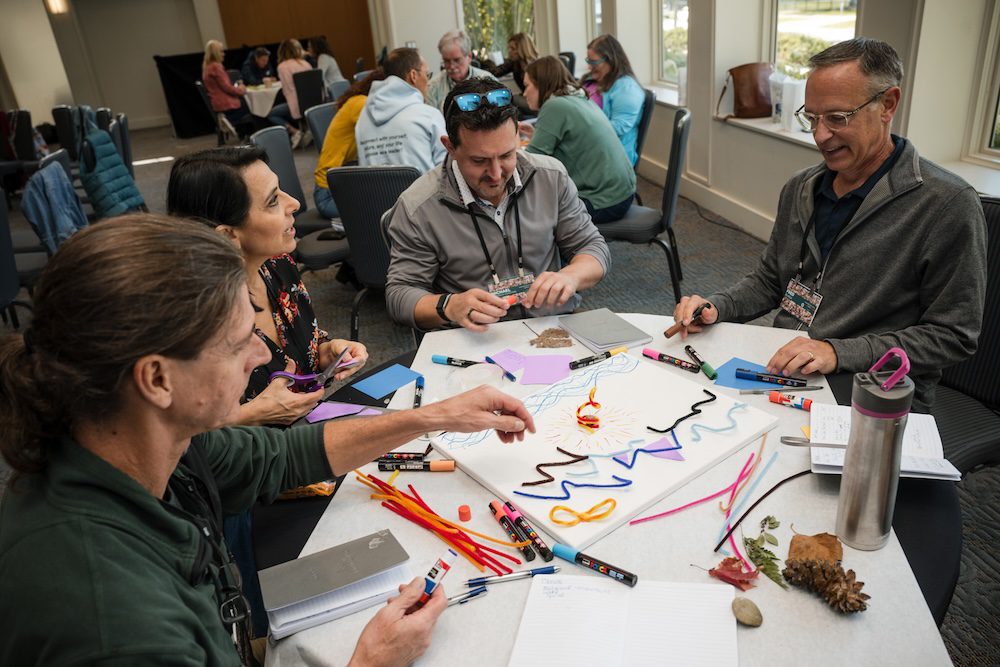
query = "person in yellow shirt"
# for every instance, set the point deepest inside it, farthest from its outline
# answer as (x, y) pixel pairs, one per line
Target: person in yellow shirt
(339, 146)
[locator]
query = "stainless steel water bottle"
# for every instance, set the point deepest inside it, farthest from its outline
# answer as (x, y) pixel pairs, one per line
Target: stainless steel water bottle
(880, 403)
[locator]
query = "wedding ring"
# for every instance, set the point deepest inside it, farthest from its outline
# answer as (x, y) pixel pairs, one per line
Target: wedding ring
(811, 356)
(469, 316)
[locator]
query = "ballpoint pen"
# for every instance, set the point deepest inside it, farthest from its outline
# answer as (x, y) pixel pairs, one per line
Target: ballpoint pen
(462, 598)
(513, 576)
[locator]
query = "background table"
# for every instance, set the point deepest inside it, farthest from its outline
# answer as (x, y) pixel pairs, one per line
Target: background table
(260, 99)
(798, 626)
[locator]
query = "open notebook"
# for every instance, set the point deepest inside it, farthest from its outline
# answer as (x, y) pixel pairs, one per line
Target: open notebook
(333, 583)
(587, 620)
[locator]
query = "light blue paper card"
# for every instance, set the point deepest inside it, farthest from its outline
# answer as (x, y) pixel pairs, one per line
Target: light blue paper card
(727, 375)
(386, 381)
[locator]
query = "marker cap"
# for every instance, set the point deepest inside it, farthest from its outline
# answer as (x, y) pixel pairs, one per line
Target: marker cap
(651, 353)
(565, 552)
(439, 358)
(442, 466)
(616, 350)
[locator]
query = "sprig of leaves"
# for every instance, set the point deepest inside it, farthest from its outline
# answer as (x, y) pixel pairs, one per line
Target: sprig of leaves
(762, 557)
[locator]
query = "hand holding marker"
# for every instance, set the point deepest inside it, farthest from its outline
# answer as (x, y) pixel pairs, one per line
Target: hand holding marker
(434, 577)
(695, 316)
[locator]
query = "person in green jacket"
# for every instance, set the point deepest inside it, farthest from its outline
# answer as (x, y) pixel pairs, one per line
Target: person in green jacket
(115, 402)
(576, 133)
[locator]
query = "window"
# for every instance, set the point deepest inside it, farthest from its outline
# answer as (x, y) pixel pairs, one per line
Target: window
(490, 22)
(803, 28)
(984, 131)
(673, 41)
(597, 19)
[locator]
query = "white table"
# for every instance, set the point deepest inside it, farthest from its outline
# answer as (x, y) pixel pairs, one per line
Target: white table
(798, 626)
(260, 99)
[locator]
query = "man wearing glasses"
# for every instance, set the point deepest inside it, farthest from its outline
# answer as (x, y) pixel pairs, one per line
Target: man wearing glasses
(482, 236)
(875, 248)
(456, 55)
(396, 127)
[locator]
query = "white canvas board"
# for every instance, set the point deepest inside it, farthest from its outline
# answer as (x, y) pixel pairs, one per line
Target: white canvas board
(633, 394)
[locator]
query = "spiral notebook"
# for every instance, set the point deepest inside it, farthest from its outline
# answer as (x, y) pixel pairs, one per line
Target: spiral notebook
(332, 583)
(601, 330)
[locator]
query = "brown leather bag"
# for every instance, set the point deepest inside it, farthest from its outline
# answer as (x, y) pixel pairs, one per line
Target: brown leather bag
(751, 91)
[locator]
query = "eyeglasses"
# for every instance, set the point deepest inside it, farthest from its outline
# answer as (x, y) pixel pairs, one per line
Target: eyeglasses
(595, 63)
(498, 97)
(835, 121)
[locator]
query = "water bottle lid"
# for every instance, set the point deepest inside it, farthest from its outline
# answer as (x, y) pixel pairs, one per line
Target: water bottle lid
(869, 398)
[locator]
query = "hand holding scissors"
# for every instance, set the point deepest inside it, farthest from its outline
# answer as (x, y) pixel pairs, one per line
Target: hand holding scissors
(309, 382)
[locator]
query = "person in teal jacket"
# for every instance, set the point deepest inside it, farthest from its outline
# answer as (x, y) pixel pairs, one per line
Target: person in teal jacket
(574, 131)
(113, 418)
(622, 96)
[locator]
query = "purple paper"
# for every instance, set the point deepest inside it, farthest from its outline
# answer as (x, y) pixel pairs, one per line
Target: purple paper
(332, 410)
(509, 360)
(369, 412)
(546, 368)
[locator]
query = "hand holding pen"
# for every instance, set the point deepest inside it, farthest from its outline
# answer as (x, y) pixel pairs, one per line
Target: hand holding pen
(693, 313)
(395, 637)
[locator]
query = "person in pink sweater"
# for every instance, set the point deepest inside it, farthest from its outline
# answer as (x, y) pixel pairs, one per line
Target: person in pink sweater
(288, 114)
(225, 97)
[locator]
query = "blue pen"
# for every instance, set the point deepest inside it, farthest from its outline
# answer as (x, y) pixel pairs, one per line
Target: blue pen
(523, 574)
(462, 598)
(450, 361)
(506, 373)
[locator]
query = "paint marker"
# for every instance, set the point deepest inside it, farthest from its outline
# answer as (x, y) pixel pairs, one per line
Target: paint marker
(426, 466)
(529, 533)
(393, 457)
(746, 374)
(462, 598)
(667, 359)
(433, 578)
(450, 361)
(811, 387)
(512, 576)
(574, 556)
(590, 361)
(506, 373)
(800, 402)
(705, 368)
(418, 392)
(694, 316)
(501, 516)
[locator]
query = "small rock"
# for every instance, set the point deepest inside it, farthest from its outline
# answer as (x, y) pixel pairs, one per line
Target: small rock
(746, 612)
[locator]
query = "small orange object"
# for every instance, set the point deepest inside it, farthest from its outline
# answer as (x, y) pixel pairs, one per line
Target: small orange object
(512, 299)
(589, 422)
(464, 513)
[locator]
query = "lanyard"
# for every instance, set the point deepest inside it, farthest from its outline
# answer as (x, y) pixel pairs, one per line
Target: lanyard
(804, 248)
(486, 251)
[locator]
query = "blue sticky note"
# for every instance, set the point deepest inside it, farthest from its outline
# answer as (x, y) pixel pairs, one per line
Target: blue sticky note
(386, 381)
(727, 375)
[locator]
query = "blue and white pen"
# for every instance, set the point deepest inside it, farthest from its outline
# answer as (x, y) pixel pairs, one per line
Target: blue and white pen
(462, 598)
(506, 373)
(523, 574)
(418, 392)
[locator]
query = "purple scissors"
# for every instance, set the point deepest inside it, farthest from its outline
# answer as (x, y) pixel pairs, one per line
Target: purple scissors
(308, 382)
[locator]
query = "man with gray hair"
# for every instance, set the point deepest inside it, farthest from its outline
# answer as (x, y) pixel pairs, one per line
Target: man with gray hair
(456, 53)
(875, 248)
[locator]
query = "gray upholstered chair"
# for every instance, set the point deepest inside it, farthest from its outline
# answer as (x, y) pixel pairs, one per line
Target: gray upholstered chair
(318, 118)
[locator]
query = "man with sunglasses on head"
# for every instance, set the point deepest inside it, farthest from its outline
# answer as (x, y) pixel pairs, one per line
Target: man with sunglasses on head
(875, 248)
(396, 127)
(489, 226)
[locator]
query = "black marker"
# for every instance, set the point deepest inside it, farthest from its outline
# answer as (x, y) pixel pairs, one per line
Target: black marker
(449, 361)
(746, 374)
(501, 516)
(418, 392)
(529, 533)
(588, 361)
(574, 556)
(705, 368)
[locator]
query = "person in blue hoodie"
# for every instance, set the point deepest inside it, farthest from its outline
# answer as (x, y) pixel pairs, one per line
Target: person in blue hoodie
(396, 126)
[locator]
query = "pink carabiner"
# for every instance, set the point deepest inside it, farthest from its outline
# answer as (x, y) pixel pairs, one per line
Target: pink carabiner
(904, 367)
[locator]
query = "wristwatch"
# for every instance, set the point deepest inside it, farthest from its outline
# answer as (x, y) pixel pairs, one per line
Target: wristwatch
(441, 304)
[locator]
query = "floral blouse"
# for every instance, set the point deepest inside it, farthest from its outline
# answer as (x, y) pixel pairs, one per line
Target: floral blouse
(299, 336)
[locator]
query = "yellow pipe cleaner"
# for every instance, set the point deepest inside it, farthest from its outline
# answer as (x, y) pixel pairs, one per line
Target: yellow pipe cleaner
(590, 515)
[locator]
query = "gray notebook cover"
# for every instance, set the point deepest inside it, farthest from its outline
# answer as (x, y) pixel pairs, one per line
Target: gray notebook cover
(329, 570)
(601, 330)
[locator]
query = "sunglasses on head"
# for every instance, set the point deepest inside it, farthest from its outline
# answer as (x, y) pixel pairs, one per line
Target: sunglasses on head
(499, 97)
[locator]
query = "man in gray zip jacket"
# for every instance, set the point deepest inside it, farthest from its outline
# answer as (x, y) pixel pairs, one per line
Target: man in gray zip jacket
(488, 221)
(875, 248)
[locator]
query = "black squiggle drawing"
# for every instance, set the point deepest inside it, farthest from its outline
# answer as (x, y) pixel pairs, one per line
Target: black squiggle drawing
(694, 411)
(574, 458)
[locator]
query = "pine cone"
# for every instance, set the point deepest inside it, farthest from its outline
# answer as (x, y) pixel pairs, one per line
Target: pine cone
(828, 580)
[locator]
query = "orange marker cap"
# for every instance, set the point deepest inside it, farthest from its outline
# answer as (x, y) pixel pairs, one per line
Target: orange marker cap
(512, 299)
(464, 513)
(442, 466)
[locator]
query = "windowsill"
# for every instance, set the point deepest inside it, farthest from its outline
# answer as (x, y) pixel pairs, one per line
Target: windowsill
(767, 127)
(665, 95)
(984, 179)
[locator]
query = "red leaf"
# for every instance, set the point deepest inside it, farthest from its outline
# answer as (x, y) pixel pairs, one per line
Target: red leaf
(730, 570)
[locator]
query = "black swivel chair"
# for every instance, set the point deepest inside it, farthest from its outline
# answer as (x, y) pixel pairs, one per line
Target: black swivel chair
(363, 195)
(569, 60)
(104, 118)
(309, 89)
(16, 271)
(317, 248)
(67, 131)
(967, 404)
(318, 118)
(234, 75)
(646, 225)
(126, 140)
(648, 104)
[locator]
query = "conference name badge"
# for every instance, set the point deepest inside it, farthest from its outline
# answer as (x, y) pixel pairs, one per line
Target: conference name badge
(801, 302)
(516, 286)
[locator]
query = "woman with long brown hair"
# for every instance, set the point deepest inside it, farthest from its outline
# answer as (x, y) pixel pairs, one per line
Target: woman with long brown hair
(622, 97)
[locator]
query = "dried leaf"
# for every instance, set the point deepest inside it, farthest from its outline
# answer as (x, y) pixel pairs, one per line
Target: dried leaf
(771, 523)
(771, 539)
(730, 570)
(765, 560)
(819, 547)
(760, 541)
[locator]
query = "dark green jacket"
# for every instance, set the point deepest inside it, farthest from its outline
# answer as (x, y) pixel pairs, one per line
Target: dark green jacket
(95, 570)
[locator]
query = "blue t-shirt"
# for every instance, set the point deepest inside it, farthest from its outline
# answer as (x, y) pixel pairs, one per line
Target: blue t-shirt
(623, 107)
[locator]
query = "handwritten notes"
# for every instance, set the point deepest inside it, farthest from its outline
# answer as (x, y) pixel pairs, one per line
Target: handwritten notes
(585, 620)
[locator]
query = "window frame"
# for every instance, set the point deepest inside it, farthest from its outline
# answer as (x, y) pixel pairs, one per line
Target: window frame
(769, 26)
(656, 15)
(984, 108)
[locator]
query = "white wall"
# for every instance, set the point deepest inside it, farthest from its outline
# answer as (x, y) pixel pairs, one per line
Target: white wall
(31, 58)
(422, 22)
(572, 31)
